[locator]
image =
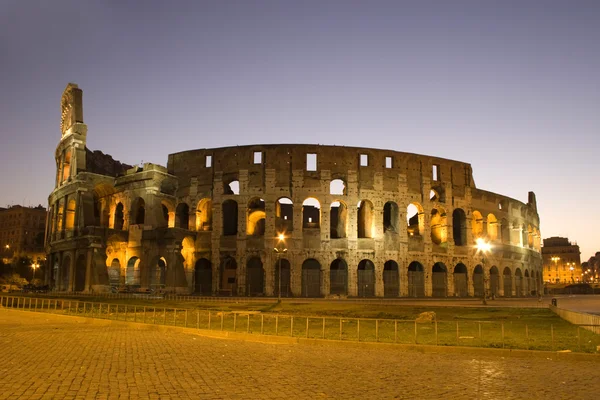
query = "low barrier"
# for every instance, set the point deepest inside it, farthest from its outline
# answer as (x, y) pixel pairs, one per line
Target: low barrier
(587, 321)
(512, 335)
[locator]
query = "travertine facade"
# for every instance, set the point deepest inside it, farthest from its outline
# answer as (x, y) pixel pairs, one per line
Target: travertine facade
(357, 222)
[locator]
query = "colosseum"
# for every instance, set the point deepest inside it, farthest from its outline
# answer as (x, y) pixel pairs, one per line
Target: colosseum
(295, 220)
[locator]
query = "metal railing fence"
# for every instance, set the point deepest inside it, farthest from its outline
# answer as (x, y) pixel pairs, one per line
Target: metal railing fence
(511, 335)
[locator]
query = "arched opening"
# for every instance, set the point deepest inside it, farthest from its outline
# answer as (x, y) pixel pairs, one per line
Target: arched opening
(232, 187)
(530, 236)
(158, 274)
(182, 216)
(255, 222)
(492, 227)
(138, 211)
(255, 281)
(66, 165)
(366, 278)
(119, 219)
(365, 219)
(338, 218)
(204, 215)
(415, 219)
(70, 217)
(285, 283)
(391, 216)
(439, 280)
(518, 283)
(311, 278)
(505, 231)
(80, 268)
(507, 277)
(459, 227)
(338, 277)
(478, 286)
(494, 281)
(434, 195)
(416, 280)
(311, 213)
(60, 215)
(132, 273)
(114, 273)
(527, 284)
(230, 218)
(203, 277)
(460, 280)
(337, 187)
(284, 214)
(391, 279)
(165, 215)
(65, 273)
(439, 231)
(228, 276)
(477, 224)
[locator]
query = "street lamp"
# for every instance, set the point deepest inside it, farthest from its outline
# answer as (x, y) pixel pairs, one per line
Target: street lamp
(34, 267)
(484, 247)
(280, 248)
(571, 268)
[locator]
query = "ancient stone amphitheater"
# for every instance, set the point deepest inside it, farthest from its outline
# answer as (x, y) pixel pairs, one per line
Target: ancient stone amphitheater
(286, 219)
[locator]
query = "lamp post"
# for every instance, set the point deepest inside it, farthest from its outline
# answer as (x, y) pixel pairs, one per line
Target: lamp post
(571, 268)
(484, 247)
(280, 248)
(34, 267)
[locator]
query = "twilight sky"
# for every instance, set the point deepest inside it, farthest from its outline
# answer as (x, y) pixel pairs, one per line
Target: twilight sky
(511, 87)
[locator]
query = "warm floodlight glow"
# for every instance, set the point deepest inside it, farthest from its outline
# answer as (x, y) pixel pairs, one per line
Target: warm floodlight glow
(281, 237)
(482, 245)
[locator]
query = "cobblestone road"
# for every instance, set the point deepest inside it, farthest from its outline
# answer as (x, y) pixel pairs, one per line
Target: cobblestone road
(46, 357)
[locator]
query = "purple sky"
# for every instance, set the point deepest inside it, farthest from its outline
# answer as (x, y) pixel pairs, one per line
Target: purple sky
(511, 87)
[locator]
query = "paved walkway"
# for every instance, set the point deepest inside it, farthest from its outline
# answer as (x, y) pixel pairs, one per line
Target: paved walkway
(53, 357)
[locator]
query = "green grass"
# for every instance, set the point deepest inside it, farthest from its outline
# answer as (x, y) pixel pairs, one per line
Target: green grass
(513, 328)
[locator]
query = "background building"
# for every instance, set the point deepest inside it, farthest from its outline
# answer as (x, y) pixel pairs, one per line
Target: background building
(561, 258)
(356, 221)
(22, 232)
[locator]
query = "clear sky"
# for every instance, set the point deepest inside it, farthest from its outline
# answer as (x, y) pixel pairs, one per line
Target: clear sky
(511, 87)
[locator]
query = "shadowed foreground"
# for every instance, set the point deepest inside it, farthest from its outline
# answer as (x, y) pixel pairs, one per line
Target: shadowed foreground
(48, 356)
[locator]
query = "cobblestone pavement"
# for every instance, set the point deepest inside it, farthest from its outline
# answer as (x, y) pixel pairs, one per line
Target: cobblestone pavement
(48, 356)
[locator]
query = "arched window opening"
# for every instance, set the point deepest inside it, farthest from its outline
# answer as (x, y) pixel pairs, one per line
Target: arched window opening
(255, 282)
(70, 217)
(391, 216)
(338, 219)
(459, 227)
(282, 265)
(338, 277)
(494, 281)
(230, 218)
(478, 286)
(182, 216)
(391, 279)
(439, 230)
(416, 280)
(365, 219)
(232, 187)
(460, 280)
(255, 223)
(337, 187)
(119, 219)
(415, 219)
(492, 227)
(311, 213)
(132, 275)
(66, 165)
(165, 215)
(366, 279)
(518, 283)
(60, 215)
(203, 277)
(204, 215)
(138, 211)
(507, 277)
(79, 284)
(530, 236)
(477, 225)
(439, 282)
(437, 194)
(228, 276)
(114, 273)
(505, 231)
(526, 284)
(65, 274)
(158, 275)
(284, 214)
(311, 278)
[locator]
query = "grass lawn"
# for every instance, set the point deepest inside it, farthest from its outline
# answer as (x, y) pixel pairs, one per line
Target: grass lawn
(499, 327)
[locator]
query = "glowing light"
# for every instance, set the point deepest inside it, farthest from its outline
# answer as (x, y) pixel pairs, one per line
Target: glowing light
(482, 245)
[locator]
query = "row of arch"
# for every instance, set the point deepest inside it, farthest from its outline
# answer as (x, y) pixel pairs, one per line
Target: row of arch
(490, 227)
